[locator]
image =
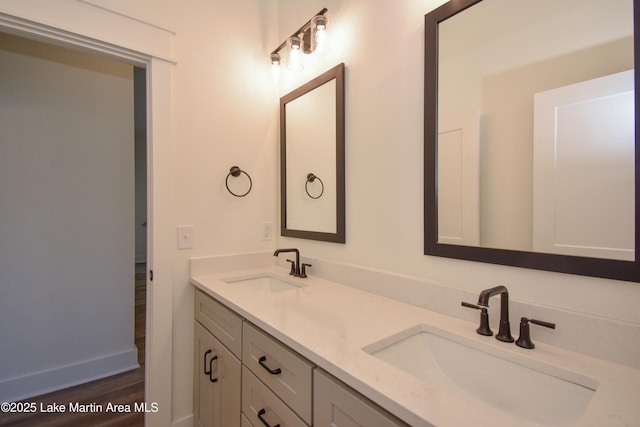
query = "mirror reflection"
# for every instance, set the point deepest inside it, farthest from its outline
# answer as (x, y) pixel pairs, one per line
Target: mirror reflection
(530, 131)
(536, 127)
(312, 159)
(311, 128)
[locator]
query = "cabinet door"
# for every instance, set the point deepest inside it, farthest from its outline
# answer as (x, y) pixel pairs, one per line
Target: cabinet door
(246, 422)
(336, 405)
(223, 323)
(216, 385)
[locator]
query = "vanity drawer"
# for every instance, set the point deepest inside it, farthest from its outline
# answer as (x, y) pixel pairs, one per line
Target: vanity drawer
(261, 407)
(282, 370)
(223, 323)
(337, 405)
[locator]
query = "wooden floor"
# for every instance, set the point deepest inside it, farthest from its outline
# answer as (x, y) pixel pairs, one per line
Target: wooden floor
(125, 389)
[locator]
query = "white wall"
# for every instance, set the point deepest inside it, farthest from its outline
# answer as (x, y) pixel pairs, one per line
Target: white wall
(66, 185)
(225, 115)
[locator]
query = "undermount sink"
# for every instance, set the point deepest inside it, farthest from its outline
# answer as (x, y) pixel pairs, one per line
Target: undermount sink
(504, 380)
(264, 284)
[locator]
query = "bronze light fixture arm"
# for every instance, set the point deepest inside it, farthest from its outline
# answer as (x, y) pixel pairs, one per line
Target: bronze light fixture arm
(302, 29)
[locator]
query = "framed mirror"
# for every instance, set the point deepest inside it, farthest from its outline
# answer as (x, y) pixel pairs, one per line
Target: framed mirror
(312, 136)
(531, 143)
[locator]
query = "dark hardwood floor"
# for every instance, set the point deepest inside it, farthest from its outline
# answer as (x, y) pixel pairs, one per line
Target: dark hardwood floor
(123, 389)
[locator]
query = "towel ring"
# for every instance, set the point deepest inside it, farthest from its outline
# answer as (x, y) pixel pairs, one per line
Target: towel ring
(310, 178)
(235, 171)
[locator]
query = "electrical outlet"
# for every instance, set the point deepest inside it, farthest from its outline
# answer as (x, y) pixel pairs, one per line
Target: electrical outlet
(185, 237)
(266, 230)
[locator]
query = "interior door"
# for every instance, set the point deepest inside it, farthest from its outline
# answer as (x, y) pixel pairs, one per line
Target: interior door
(584, 168)
(458, 179)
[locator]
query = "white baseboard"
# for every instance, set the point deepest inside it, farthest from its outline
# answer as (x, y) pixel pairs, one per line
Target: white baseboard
(41, 382)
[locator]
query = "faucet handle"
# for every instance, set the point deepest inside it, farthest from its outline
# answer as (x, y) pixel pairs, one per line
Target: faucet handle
(293, 267)
(483, 329)
(524, 340)
(303, 272)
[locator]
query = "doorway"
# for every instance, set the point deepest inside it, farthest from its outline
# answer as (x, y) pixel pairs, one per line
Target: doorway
(64, 206)
(142, 44)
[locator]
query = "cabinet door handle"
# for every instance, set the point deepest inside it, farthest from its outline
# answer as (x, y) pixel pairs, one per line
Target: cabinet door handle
(262, 363)
(204, 363)
(261, 412)
(213, 380)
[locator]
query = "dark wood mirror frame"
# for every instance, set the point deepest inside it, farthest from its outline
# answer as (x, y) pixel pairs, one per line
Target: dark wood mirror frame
(595, 267)
(336, 73)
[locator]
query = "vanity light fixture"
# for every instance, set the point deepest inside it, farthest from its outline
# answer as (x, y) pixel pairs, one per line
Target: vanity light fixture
(309, 38)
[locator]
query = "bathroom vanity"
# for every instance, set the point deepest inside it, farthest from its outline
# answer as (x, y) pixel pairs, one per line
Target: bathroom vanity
(244, 376)
(273, 349)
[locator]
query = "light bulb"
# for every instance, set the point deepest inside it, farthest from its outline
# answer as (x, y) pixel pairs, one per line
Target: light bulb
(275, 66)
(320, 40)
(294, 61)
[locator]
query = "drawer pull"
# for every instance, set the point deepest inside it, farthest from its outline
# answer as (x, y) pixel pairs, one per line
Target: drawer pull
(262, 363)
(213, 380)
(204, 363)
(261, 412)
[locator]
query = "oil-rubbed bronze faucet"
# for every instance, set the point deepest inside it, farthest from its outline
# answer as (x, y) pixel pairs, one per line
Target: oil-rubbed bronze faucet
(504, 333)
(295, 267)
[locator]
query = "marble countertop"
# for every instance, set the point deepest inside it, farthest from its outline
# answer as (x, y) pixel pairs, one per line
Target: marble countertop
(330, 324)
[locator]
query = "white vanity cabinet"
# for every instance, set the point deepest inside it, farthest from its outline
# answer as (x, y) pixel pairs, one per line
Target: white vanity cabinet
(217, 370)
(245, 377)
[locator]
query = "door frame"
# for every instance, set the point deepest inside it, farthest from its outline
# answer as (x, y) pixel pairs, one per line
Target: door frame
(91, 28)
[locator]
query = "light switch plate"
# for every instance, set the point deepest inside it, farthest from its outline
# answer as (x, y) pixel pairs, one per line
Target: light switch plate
(266, 230)
(185, 237)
